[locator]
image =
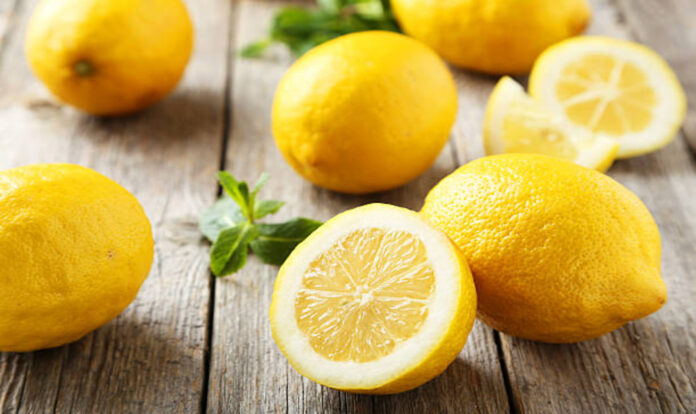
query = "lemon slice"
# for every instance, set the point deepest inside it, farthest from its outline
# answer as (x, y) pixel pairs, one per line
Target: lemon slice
(614, 88)
(515, 123)
(375, 301)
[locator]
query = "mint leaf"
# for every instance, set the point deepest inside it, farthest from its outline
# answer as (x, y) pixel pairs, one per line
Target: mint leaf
(229, 252)
(263, 178)
(333, 6)
(301, 29)
(256, 48)
(266, 207)
(229, 225)
(275, 242)
(237, 190)
(223, 214)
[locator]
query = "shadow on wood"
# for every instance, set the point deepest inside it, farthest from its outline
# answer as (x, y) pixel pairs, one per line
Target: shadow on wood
(453, 391)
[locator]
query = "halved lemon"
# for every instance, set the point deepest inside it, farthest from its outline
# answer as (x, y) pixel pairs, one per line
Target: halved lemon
(375, 301)
(614, 88)
(515, 123)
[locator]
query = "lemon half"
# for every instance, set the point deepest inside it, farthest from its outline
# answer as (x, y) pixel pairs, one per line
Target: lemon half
(611, 87)
(515, 123)
(375, 301)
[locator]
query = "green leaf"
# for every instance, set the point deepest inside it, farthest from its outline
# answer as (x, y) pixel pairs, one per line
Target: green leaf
(237, 190)
(300, 29)
(229, 252)
(223, 214)
(229, 224)
(275, 242)
(266, 207)
(263, 178)
(333, 6)
(256, 48)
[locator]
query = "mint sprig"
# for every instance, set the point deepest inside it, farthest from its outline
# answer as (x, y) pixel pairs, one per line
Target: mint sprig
(230, 224)
(300, 29)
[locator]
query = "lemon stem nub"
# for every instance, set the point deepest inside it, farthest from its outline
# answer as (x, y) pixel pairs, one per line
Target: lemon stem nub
(83, 68)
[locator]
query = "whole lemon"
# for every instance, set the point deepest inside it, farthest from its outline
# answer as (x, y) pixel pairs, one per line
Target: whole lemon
(365, 112)
(74, 246)
(109, 57)
(560, 253)
(494, 36)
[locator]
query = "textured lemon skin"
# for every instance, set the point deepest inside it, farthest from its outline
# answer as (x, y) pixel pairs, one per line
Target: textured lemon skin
(75, 248)
(559, 253)
(447, 349)
(365, 112)
(499, 36)
(137, 49)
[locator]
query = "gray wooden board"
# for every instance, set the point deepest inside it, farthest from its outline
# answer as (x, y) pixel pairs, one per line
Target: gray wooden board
(151, 358)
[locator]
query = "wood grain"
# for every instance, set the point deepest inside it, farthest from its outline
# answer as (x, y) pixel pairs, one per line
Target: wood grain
(7, 9)
(669, 27)
(648, 365)
(248, 373)
(151, 358)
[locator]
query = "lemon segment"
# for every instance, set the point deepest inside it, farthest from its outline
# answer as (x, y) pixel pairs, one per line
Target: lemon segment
(612, 88)
(375, 301)
(515, 123)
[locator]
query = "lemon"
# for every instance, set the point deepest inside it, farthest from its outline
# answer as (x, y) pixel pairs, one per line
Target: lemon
(514, 122)
(375, 301)
(109, 57)
(365, 112)
(614, 88)
(75, 248)
(494, 36)
(559, 253)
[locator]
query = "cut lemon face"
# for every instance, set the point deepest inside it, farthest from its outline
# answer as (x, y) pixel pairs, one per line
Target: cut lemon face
(375, 301)
(515, 123)
(613, 88)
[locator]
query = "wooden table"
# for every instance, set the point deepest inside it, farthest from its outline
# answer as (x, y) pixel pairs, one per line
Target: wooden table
(190, 343)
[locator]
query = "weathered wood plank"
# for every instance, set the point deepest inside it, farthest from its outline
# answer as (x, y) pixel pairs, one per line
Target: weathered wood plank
(248, 373)
(7, 10)
(151, 358)
(669, 26)
(648, 365)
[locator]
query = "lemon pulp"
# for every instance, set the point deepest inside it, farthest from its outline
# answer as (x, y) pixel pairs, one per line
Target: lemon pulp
(516, 123)
(606, 94)
(528, 128)
(365, 295)
(613, 88)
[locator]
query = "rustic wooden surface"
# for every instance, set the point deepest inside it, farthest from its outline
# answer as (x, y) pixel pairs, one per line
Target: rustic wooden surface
(190, 343)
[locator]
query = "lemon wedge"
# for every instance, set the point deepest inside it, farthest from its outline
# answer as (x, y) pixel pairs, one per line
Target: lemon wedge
(515, 123)
(614, 88)
(375, 301)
